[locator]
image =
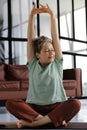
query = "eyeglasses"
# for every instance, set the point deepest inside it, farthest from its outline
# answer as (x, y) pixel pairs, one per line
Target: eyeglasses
(47, 51)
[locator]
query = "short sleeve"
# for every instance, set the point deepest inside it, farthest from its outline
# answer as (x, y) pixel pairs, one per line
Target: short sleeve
(59, 61)
(31, 63)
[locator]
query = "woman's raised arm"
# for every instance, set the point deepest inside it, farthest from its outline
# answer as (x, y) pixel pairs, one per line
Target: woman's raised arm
(54, 31)
(55, 34)
(30, 34)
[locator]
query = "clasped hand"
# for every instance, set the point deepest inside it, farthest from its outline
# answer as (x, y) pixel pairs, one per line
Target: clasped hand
(42, 9)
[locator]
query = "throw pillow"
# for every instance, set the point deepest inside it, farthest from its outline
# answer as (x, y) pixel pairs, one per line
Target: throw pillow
(17, 72)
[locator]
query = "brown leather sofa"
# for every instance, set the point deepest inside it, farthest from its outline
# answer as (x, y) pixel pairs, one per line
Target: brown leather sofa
(14, 81)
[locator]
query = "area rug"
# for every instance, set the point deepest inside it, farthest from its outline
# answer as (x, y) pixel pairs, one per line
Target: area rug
(71, 126)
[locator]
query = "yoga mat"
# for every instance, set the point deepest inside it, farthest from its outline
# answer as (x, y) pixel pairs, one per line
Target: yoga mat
(71, 126)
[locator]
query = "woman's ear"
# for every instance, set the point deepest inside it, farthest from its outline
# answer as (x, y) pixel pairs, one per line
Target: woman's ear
(37, 55)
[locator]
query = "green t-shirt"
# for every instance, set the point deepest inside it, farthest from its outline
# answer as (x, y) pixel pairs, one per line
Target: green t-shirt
(45, 84)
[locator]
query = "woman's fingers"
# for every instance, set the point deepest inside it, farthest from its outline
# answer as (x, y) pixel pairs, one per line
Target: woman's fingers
(34, 5)
(47, 6)
(42, 9)
(43, 6)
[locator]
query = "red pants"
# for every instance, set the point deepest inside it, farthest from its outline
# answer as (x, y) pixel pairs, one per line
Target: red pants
(57, 112)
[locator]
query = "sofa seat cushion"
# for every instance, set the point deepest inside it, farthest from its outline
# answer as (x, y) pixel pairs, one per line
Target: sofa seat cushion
(69, 84)
(24, 85)
(9, 85)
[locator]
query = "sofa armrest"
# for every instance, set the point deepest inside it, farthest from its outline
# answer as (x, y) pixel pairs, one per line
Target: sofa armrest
(74, 74)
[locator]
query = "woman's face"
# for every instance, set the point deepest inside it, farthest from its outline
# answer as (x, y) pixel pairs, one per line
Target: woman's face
(46, 55)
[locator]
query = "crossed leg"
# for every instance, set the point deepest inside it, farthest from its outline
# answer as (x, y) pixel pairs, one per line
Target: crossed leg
(41, 120)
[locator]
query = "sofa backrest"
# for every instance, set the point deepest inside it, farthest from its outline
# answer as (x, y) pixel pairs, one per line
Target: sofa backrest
(2, 71)
(17, 72)
(69, 74)
(13, 72)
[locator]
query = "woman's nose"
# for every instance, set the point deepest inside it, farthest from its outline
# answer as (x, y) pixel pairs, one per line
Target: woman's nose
(51, 51)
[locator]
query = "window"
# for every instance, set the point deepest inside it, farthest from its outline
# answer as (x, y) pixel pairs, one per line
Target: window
(13, 30)
(73, 36)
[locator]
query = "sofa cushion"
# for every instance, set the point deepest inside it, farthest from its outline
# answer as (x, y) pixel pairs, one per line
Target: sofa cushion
(69, 74)
(9, 85)
(2, 71)
(17, 72)
(24, 85)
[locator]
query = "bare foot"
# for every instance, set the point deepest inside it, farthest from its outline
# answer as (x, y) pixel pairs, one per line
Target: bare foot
(64, 123)
(19, 124)
(38, 117)
(23, 123)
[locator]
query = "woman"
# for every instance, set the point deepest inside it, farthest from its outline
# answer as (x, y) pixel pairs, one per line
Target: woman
(46, 99)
